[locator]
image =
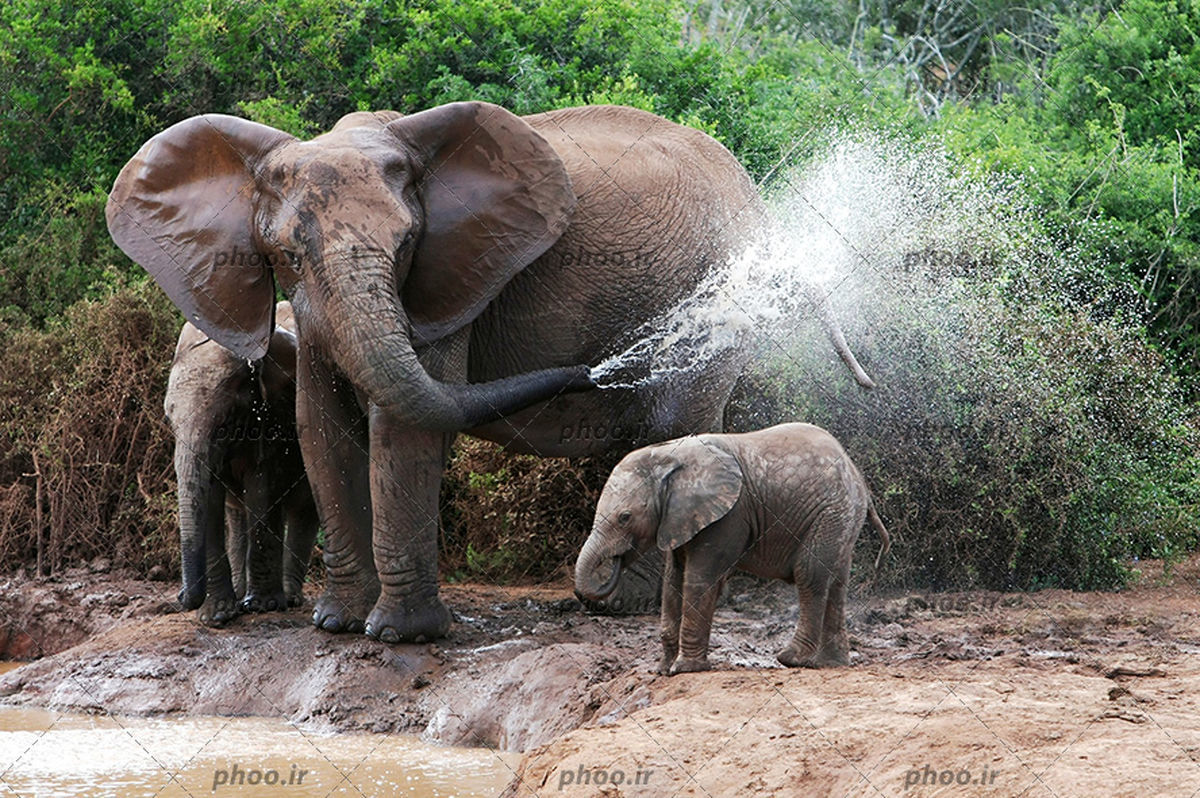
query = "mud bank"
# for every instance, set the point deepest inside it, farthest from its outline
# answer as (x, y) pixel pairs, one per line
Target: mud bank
(1050, 693)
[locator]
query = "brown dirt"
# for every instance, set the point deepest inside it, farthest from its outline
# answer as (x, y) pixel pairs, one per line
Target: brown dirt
(1050, 693)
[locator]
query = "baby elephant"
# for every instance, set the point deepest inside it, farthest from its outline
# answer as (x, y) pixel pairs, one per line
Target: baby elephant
(784, 502)
(241, 478)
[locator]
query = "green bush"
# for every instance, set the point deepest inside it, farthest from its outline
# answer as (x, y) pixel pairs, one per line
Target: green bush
(67, 258)
(1108, 145)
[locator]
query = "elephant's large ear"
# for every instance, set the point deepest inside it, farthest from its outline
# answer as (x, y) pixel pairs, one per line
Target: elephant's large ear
(182, 208)
(496, 196)
(700, 483)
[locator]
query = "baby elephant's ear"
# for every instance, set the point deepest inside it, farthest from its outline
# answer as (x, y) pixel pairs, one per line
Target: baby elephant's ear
(700, 486)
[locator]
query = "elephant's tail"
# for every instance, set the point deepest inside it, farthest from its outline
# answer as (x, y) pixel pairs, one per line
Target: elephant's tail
(884, 538)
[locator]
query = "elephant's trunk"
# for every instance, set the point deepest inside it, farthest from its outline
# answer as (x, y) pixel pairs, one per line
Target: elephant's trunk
(371, 340)
(201, 514)
(592, 581)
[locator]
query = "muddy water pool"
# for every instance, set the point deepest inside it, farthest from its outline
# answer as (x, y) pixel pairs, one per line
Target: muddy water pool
(51, 754)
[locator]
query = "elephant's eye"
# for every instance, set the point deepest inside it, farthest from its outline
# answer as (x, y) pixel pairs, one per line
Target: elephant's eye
(294, 261)
(624, 517)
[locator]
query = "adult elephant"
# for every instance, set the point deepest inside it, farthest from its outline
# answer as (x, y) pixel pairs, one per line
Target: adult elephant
(450, 270)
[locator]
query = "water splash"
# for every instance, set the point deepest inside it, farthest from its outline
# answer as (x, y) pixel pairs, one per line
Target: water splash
(851, 219)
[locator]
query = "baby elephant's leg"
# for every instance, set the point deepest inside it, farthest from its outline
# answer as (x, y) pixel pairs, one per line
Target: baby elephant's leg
(701, 588)
(835, 645)
(813, 591)
(672, 607)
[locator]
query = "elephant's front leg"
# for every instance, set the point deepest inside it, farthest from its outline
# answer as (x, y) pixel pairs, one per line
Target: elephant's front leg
(702, 579)
(333, 439)
(220, 602)
(672, 608)
(406, 478)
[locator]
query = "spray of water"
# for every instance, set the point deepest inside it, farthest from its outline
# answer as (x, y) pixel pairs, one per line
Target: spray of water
(848, 223)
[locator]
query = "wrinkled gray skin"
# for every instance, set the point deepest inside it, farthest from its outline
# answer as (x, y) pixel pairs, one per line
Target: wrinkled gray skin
(247, 519)
(453, 270)
(785, 502)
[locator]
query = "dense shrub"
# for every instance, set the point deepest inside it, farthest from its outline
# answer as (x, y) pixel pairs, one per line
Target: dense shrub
(1042, 448)
(516, 518)
(85, 455)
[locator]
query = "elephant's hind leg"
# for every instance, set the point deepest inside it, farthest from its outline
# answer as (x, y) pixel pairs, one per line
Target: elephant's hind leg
(220, 602)
(813, 591)
(300, 520)
(264, 578)
(835, 644)
(236, 543)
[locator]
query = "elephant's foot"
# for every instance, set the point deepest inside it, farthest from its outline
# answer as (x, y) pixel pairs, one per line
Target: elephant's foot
(294, 598)
(192, 596)
(638, 589)
(819, 659)
(690, 665)
(668, 659)
(218, 610)
(417, 623)
(335, 613)
(265, 602)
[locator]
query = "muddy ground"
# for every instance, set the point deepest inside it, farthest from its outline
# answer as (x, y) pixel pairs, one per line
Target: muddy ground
(1050, 693)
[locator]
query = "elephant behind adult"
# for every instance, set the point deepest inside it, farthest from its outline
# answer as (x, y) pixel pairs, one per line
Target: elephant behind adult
(450, 270)
(247, 522)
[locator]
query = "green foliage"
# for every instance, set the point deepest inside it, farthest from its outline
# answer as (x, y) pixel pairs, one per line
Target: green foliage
(69, 256)
(1111, 156)
(1137, 71)
(90, 85)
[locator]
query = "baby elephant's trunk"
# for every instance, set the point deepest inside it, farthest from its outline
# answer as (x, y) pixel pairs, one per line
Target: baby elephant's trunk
(588, 570)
